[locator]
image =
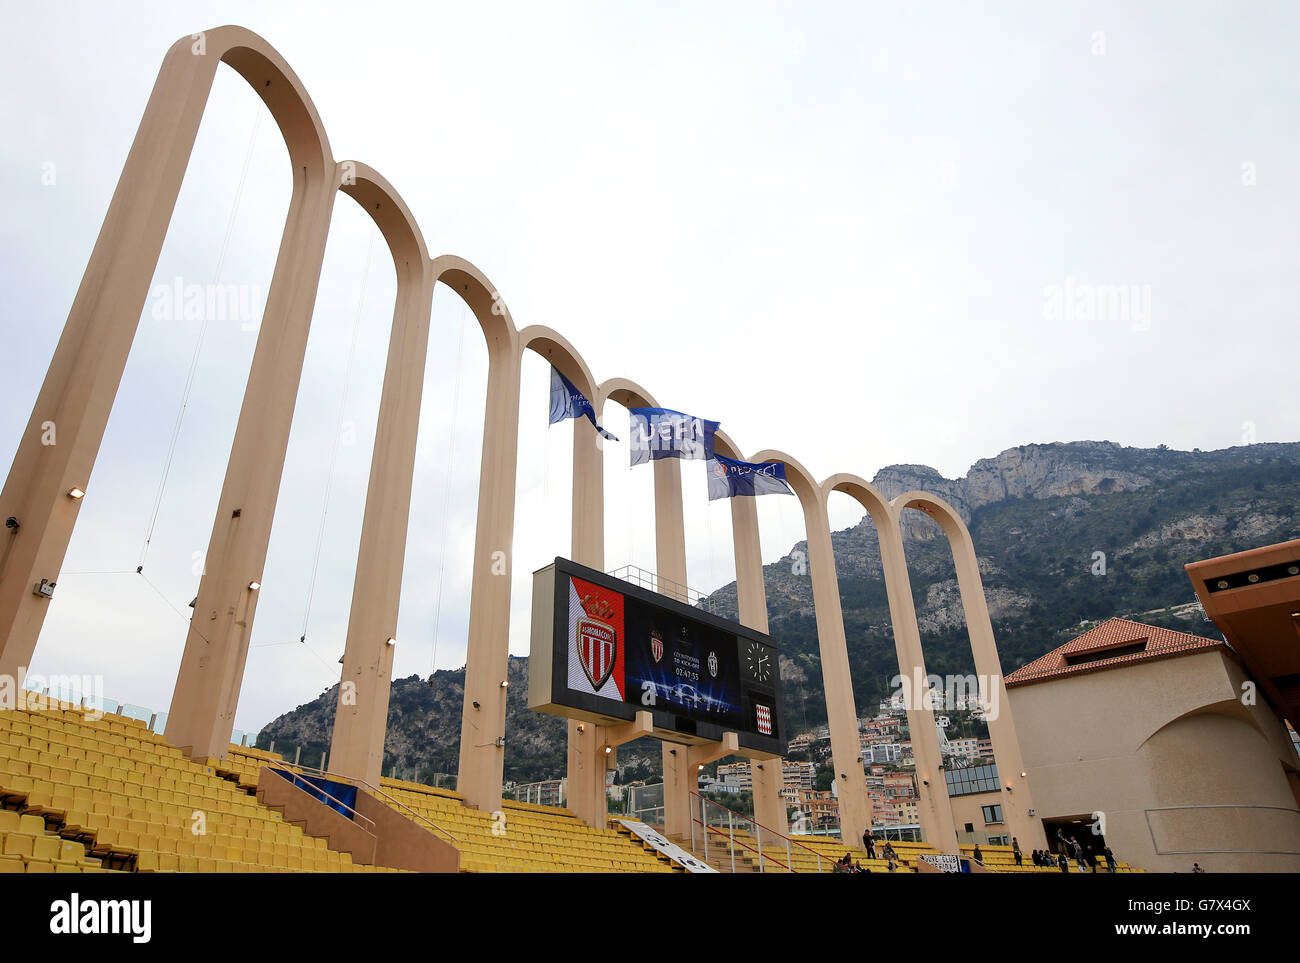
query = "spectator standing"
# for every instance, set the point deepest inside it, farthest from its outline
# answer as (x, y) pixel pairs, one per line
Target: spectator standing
(869, 843)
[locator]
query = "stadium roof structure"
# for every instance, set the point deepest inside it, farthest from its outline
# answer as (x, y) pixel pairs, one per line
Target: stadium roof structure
(1254, 598)
(1113, 643)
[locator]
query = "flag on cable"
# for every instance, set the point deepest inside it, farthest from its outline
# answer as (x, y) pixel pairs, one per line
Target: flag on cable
(728, 477)
(568, 402)
(663, 433)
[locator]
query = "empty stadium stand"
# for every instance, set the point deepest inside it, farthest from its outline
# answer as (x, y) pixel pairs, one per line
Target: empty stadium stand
(527, 838)
(125, 799)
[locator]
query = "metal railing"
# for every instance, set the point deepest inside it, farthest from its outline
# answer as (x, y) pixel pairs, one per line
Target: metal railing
(716, 822)
(654, 816)
(291, 778)
(646, 579)
(96, 703)
(374, 790)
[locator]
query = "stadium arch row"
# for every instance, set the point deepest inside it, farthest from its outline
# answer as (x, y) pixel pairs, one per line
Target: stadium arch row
(82, 381)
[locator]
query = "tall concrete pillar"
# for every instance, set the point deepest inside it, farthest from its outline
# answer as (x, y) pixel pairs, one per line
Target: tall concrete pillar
(680, 778)
(841, 712)
(586, 756)
(670, 562)
(766, 773)
(361, 716)
(935, 808)
(216, 646)
(482, 731)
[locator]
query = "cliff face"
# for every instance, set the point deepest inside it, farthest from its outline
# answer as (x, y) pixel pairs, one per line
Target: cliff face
(1061, 469)
(424, 727)
(1039, 515)
(1053, 471)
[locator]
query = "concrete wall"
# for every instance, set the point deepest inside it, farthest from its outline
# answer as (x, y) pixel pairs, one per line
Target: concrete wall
(1135, 742)
(969, 809)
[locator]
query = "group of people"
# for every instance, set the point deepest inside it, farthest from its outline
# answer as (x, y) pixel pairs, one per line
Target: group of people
(847, 865)
(1069, 848)
(978, 855)
(1085, 858)
(869, 844)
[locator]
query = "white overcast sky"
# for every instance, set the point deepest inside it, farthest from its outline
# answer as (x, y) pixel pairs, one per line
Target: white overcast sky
(832, 227)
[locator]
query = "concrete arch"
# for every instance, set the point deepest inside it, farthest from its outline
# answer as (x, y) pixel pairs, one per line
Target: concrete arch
(842, 716)
(865, 494)
(627, 393)
(556, 349)
(361, 716)
(800, 479)
(935, 808)
(474, 288)
(487, 656)
(84, 376)
(390, 213)
(270, 75)
(208, 682)
(725, 447)
(1017, 798)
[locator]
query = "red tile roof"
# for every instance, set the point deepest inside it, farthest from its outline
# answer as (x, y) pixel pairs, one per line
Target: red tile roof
(1111, 634)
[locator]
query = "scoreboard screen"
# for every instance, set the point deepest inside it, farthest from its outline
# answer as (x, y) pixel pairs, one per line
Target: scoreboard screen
(604, 649)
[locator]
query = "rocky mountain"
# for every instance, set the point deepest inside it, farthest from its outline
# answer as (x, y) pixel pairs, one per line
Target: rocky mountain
(424, 727)
(1044, 519)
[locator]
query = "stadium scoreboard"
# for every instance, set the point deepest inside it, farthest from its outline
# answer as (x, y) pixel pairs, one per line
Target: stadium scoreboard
(603, 649)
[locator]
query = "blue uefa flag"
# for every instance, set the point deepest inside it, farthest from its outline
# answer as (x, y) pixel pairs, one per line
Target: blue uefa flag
(728, 478)
(664, 433)
(568, 402)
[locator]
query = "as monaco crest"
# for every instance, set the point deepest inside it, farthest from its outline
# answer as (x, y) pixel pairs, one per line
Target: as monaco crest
(657, 646)
(597, 642)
